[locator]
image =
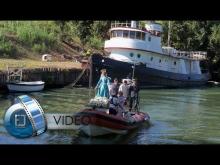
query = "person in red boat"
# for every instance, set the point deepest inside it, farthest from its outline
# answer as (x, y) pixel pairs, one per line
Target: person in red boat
(116, 106)
(133, 96)
(102, 85)
(121, 100)
(124, 88)
(113, 105)
(114, 88)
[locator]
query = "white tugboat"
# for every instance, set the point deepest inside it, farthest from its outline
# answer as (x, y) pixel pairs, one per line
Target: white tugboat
(136, 52)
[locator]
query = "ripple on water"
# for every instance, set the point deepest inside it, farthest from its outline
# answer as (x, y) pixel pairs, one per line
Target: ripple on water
(178, 116)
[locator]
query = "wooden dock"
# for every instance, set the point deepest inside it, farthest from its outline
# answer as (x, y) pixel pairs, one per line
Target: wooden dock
(51, 76)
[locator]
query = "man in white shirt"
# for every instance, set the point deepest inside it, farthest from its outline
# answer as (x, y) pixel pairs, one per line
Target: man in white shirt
(124, 88)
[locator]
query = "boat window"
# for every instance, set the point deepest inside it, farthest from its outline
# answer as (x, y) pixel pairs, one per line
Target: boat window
(119, 33)
(138, 35)
(132, 34)
(139, 56)
(151, 58)
(158, 34)
(143, 36)
(113, 33)
(131, 54)
(160, 61)
(149, 38)
(125, 33)
(174, 62)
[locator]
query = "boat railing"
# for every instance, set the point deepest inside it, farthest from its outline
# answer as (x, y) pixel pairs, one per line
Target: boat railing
(193, 55)
(125, 24)
(14, 73)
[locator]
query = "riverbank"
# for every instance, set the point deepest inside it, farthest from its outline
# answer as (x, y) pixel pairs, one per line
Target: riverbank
(54, 74)
(33, 64)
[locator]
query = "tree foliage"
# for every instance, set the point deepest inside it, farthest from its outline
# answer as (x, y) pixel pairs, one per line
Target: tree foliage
(43, 35)
(195, 35)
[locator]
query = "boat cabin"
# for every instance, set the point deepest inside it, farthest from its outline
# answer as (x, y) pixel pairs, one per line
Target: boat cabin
(134, 30)
(154, 28)
(133, 34)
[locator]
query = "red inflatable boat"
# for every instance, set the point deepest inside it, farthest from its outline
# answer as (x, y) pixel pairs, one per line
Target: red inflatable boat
(98, 122)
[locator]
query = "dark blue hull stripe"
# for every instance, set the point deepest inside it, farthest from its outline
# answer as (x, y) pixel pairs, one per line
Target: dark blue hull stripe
(146, 76)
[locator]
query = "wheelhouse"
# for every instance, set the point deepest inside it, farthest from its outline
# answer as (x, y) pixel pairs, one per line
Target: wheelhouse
(132, 34)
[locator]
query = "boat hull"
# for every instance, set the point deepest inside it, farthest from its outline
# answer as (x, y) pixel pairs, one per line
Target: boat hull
(94, 130)
(26, 86)
(101, 123)
(147, 77)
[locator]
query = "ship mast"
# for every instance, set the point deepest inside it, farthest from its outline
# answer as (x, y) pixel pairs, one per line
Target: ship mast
(169, 29)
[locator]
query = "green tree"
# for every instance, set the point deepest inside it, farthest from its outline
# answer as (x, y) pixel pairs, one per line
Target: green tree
(84, 30)
(101, 28)
(214, 41)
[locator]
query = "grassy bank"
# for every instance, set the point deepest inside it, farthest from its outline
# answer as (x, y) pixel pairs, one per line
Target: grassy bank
(19, 39)
(31, 64)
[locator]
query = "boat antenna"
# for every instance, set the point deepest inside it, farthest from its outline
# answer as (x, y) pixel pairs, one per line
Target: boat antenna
(169, 29)
(133, 67)
(90, 75)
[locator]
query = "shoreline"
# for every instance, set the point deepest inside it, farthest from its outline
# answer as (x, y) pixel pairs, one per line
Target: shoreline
(53, 73)
(53, 77)
(36, 63)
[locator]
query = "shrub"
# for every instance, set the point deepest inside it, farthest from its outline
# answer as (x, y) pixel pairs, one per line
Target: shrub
(32, 34)
(96, 42)
(7, 48)
(40, 48)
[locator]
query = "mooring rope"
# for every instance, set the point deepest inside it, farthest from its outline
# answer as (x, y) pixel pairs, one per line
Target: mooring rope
(81, 74)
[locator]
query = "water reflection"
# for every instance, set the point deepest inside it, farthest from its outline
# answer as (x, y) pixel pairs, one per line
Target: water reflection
(178, 116)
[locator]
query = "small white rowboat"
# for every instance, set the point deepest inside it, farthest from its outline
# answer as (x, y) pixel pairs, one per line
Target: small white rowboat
(23, 86)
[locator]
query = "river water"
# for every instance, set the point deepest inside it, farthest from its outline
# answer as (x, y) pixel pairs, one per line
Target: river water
(178, 116)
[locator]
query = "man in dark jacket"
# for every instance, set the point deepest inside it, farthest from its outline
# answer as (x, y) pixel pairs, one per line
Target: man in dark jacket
(133, 96)
(114, 88)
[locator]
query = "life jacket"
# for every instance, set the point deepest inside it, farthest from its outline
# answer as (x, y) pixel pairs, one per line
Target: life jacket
(113, 103)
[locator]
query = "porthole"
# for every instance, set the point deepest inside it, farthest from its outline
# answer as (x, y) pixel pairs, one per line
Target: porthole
(139, 56)
(131, 54)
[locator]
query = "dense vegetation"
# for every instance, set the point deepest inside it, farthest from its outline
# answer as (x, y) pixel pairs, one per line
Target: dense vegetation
(43, 36)
(196, 35)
